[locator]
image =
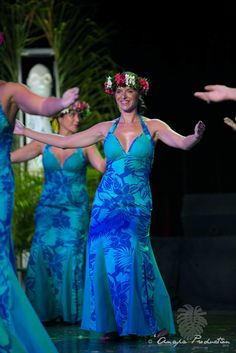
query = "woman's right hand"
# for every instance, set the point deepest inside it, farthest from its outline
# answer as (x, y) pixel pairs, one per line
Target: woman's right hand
(19, 128)
(214, 93)
(70, 96)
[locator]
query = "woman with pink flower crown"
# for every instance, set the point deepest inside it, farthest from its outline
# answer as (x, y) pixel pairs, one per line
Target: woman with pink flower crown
(124, 292)
(55, 273)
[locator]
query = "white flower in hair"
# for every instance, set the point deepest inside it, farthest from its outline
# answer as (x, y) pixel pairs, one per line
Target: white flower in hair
(109, 82)
(132, 80)
(65, 111)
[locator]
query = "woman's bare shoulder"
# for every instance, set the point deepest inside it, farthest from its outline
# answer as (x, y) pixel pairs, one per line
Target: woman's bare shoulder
(105, 125)
(153, 121)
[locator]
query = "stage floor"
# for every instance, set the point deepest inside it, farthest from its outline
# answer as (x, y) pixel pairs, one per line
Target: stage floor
(219, 335)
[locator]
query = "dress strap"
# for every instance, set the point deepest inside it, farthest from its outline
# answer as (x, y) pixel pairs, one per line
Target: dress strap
(113, 127)
(144, 126)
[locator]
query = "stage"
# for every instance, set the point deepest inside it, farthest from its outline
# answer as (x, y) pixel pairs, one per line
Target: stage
(217, 336)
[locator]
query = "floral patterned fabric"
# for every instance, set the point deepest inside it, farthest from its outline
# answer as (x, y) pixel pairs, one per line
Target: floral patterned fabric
(20, 329)
(124, 290)
(55, 274)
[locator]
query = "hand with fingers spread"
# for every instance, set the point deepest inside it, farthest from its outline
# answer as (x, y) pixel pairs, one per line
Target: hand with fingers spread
(70, 96)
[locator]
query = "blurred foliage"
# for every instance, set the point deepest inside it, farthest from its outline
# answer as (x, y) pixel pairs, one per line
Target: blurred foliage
(17, 24)
(80, 46)
(81, 54)
(28, 189)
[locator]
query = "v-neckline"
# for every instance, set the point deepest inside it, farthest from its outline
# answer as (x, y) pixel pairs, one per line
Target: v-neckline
(132, 143)
(61, 165)
(128, 150)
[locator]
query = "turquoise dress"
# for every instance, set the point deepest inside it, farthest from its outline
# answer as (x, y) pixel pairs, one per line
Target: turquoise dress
(20, 329)
(124, 290)
(55, 274)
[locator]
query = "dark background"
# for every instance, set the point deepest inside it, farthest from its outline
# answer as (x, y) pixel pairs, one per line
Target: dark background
(180, 49)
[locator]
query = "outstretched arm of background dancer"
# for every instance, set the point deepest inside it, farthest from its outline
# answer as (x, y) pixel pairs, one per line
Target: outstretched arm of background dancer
(95, 158)
(27, 152)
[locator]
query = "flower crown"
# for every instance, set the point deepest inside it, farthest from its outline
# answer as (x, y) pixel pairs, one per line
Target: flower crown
(2, 38)
(80, 107)
(141, 84)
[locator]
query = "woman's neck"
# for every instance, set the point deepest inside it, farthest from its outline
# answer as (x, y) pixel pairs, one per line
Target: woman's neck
(129, 118)
(64, 132)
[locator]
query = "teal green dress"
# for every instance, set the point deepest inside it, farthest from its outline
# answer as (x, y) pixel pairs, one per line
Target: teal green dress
(124, 290)
(55, 274)
(20, 329)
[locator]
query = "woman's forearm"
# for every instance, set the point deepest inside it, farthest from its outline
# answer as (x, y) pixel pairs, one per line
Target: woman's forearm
(32, 103)
(52, 139)
(190, 141)
(27, 152)
(51, 106)
(80, 139)
(231, 94)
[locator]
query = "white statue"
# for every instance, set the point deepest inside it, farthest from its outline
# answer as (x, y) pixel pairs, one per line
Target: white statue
(39, 81)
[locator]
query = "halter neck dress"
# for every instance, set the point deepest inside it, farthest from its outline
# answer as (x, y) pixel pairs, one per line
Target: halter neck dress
(124, 290)
(55, 274)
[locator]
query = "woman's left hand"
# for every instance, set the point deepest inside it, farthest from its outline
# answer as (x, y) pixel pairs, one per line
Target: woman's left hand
(19, 128)
(199, 129)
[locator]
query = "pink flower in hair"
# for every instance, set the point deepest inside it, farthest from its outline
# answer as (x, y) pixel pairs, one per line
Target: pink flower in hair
(126, 79)
(144, 84)
(2, 38)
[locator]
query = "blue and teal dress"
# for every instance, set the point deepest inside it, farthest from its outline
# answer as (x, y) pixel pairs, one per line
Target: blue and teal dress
(20, 329)
(124, 290)
(55, 273)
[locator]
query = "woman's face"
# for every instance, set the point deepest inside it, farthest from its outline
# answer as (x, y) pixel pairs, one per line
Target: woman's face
(69, 123)
(126, 98)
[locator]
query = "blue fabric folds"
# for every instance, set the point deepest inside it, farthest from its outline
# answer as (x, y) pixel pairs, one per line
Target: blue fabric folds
(124, 290)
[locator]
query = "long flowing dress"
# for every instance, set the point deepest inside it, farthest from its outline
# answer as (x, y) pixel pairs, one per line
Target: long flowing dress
(20, 329)
(55, 273)
(124, 290)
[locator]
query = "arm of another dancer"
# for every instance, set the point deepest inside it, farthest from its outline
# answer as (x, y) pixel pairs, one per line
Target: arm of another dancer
(217, 93)
(32, 103)
(95, 158)
(27, 152)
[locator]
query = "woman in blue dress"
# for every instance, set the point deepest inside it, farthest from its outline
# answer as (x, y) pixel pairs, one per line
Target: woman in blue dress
(20, 328)
(55, 273)
(124, 291)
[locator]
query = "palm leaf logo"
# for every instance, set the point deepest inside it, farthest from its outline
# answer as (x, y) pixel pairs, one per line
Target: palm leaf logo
(191, 321)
